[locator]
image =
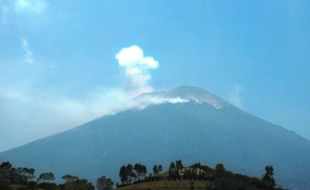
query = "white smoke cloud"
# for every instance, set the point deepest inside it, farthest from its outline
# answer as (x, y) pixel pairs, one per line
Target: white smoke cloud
(145, 101)
(136, 68)
(235, 96)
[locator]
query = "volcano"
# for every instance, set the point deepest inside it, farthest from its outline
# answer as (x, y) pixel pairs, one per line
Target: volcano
(186, 123)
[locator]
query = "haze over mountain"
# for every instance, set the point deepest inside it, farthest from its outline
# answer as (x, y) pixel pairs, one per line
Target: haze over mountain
(186, 123)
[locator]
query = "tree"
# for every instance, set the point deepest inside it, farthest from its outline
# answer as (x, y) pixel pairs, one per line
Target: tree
(5, 175)
(178, 164)
(75, 183)
(219, 168)
(140, 170)
(123, 174)
(46, 177)
(155, 170)
(143, 171)
(26, 173)
(127, 174)
(173, 172)
(69, 178)
(160, 168)
(104, 183)
(6, 166)
(132, 176)
(268, 179)
(269, 172)
(172, 166)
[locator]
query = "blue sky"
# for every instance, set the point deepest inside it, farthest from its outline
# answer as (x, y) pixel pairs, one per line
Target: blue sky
(58, 65)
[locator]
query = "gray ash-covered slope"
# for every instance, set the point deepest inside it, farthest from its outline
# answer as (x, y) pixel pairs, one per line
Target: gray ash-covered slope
(193, 125)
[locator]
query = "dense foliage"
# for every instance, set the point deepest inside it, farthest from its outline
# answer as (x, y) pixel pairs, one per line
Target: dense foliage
(217, 178)
(12, 178)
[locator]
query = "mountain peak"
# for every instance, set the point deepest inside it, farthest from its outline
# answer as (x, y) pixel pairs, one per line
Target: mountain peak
(186, 90)
(187, 93)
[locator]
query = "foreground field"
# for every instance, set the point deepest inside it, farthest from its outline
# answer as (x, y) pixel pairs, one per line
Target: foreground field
(166, 184)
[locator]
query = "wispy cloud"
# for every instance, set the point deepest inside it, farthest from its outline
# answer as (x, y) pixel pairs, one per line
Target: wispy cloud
(30, 6)
(4, 11)
(235, 96)
(28, 54)
(136, 68)
(10, 7)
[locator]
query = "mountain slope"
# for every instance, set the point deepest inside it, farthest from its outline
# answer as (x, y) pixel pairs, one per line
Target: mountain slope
(202, 128)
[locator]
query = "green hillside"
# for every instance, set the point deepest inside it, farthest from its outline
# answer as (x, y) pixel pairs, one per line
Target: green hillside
(184, 185)
(196, 176)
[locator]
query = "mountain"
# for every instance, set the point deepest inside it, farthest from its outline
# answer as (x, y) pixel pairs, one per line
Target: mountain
(186, 123)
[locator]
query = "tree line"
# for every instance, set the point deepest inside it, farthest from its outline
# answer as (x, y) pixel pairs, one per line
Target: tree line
(218, 177)
(24, 178)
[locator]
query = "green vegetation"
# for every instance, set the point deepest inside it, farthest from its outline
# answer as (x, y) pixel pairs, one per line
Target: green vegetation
(134, 177)
(23, 179)
(196, 176)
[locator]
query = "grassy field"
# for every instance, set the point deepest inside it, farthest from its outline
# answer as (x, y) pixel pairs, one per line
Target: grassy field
(18, 187)
(166, 184)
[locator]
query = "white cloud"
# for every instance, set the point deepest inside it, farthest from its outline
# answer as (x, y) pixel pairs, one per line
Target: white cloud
(28, 54)
(136, 68)
(30, 6)
(235, 96)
